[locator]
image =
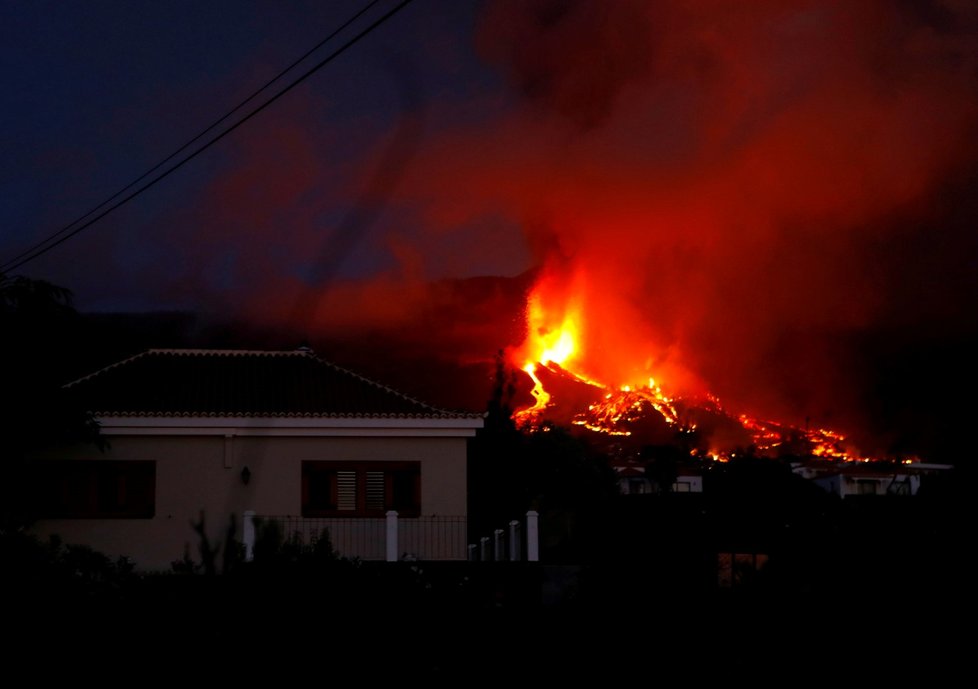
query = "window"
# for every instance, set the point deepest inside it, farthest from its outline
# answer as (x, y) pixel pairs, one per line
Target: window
(899, 486)
(361, 489)
(737, 569)
(95, 489)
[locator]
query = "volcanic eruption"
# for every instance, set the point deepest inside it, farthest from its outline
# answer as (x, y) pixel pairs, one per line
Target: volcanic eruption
(748, 225)
(554, 356)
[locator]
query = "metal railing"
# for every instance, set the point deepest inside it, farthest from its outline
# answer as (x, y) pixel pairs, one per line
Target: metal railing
(391, 539)
(434, 537)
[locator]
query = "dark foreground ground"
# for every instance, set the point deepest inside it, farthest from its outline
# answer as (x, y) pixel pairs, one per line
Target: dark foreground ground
(479, 624)
(862, 593)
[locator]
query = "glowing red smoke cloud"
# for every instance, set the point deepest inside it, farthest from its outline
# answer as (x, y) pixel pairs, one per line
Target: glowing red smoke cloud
(725, 195)
(708, 182)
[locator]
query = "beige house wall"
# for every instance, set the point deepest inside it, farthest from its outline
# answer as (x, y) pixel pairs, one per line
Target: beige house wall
(201, 474)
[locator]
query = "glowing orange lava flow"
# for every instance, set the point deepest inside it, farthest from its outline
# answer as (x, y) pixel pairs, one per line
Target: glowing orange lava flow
(819, 442)
(554, 346)
(625, 405)
(551, 342)
(555, 338)
(541, 396)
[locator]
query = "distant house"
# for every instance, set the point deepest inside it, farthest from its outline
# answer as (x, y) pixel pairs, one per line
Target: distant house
(634, 480)
(688, 481)
(847, 479)
(205, 437)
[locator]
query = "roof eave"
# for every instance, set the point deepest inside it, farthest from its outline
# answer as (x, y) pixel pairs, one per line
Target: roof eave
(133, 424)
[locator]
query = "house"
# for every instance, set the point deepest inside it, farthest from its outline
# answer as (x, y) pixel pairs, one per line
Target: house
(200, 439)
(633, 479)
(847, 479)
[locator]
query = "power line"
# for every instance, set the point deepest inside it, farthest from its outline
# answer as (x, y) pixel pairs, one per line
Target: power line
(195, 139)
(63, 234)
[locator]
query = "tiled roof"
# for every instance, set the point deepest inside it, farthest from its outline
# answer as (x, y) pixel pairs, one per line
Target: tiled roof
(234, 383)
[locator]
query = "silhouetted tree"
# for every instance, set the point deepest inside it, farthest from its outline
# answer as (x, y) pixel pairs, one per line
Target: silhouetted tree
(37, 321)
(547, 469)
(499, 410)
(662, 465)
(494, 456)
(795, 444)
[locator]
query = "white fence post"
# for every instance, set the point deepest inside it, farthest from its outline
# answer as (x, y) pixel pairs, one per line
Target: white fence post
(498, 551)
(484, 549)
(532, 536)
(248, 535)
(392, 536)
(515, 546)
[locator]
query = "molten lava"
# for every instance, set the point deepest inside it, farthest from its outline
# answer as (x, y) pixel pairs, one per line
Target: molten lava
(554, 340)
(553, 357)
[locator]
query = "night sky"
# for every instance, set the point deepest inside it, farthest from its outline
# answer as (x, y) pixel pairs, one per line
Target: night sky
(771, 201)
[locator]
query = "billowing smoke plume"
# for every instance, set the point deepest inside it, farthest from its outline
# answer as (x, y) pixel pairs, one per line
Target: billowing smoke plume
(736, 192)
(769, 201)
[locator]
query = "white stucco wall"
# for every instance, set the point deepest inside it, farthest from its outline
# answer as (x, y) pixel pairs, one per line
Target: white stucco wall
(202, 473)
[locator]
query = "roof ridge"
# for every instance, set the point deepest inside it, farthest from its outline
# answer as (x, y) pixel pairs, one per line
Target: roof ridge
(376, 384)
(421, 408)
(190, 351)
(290, 415)
(106, 368)
(300, 352)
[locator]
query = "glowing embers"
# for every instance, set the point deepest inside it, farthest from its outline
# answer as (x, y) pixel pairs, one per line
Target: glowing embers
(766, 435)
(826, 443)
(774, 438)
(620, 409)
(701, 426)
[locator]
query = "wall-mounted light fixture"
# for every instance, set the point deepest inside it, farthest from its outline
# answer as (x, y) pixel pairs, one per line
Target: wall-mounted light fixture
(245, 475)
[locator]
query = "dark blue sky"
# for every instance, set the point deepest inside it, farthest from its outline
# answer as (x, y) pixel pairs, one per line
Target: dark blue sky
(96, 93)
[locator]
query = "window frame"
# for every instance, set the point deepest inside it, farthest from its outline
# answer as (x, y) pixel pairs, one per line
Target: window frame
(320, 475)
(94, 489)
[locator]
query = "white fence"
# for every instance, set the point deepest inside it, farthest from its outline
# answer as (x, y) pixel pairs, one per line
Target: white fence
(394, 538)
(512, 544)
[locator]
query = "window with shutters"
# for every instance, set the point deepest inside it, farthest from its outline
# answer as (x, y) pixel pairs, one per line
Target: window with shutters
(360, 489)
(96, 489)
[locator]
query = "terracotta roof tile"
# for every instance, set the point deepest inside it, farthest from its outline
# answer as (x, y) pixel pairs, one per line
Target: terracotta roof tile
(197, 382)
